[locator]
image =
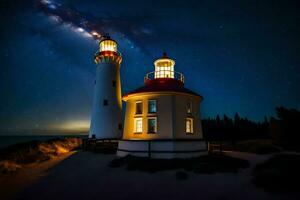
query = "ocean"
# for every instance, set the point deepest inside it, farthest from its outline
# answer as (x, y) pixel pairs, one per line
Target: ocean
(6, 141)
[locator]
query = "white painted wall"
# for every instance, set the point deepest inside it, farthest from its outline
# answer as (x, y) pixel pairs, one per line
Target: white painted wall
(173, 149)
(164, 117)
(105, 120)
(180, 103)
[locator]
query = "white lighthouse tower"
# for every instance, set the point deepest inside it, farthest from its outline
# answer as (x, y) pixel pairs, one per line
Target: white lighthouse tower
(106, 117)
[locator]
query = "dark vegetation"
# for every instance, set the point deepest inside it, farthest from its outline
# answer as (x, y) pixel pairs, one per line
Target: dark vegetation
(284, 131)
(208, 164)
(237, 129)
(280, 174)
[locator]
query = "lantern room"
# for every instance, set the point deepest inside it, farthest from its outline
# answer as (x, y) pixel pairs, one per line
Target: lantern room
(164, 71)
(108, 44)
(108, 49)
(164, 67)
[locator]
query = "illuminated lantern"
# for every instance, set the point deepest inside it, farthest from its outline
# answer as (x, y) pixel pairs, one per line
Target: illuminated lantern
(162, 118)
(164, 67)
(106, 114)
(108, 45)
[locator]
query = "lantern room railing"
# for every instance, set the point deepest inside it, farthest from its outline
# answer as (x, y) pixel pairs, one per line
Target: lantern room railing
(113, 52)
(165, 74)
(98, 55)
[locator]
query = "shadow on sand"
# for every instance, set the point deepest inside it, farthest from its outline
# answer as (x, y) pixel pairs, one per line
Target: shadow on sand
(279, 174)
(208, 164)
(102, 148)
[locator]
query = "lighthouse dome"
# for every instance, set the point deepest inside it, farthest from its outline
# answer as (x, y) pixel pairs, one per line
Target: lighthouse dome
(164, 61)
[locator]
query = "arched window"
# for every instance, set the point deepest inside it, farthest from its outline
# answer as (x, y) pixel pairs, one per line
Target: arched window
(189, 129)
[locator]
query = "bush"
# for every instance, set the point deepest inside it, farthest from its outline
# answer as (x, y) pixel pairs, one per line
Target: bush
(280, 174)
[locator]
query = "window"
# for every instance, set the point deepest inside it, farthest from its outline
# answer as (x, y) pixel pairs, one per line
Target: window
(120, 126)
(189, 125)
(139, 107)
(189, 107)
(105, 102)
(152, 125)
(152, 106)
(138, 125)
(114, 83)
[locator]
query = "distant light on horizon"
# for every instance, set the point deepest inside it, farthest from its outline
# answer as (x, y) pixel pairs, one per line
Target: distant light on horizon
(76, 125)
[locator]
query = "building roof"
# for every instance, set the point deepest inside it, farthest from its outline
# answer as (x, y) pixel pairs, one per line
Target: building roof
(163, 85)
(107, 37)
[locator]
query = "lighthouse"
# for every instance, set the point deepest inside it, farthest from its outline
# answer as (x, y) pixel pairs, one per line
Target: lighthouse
(106, 115)
(162, 118)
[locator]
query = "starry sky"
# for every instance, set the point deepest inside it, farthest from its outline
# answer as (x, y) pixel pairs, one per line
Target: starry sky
(241, 56)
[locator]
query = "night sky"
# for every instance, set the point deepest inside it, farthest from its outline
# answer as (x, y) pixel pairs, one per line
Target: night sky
(241, 56)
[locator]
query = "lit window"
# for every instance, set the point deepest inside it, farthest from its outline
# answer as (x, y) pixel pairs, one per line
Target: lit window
(189, 107)
(152, 106)
(139, 107)
(138, 125)
(152, 128)
(189, 125)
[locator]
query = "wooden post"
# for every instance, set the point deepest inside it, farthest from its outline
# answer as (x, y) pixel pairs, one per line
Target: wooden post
(208, 148)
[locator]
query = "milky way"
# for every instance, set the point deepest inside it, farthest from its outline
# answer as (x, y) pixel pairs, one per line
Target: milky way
(242, 56)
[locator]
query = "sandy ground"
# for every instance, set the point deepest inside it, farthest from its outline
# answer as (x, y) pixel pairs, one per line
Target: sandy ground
(12, 184)
(86, 175)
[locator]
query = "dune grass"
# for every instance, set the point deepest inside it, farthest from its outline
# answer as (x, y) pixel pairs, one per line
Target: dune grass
(12, 158)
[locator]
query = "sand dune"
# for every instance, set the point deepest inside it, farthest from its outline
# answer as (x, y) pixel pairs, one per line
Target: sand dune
(22, 164)
(15, 157)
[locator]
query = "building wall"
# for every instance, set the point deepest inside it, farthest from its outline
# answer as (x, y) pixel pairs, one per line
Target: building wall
(162, 149)
(171, 116)
(164, 117)
(105, 120)
(180, 106)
